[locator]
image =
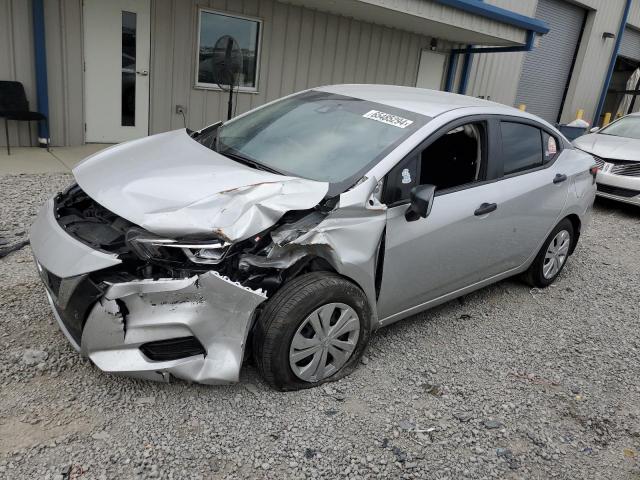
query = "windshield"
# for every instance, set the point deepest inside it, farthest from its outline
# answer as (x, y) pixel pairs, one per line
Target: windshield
(319, 136)
(625, 127)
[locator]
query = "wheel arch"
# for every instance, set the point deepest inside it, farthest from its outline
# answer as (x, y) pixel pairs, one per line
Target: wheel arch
(576, 223)
(312, 262)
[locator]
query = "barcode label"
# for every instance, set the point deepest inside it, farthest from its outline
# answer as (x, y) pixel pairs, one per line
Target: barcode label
(387, 118)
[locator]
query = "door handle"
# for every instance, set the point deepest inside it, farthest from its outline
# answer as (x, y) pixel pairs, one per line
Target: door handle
(485, 208)
(559, 178)
(144, 73)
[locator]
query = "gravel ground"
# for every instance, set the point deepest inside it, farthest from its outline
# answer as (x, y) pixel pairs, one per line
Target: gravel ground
(507, 383)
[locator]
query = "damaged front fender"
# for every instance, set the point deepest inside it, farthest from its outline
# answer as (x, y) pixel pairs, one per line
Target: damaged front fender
(348, 238)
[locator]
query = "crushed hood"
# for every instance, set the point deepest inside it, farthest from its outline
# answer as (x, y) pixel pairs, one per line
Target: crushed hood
(609, 146)
(171, 185)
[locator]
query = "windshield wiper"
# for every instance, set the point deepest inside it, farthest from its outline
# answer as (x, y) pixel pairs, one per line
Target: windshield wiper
(247, 161)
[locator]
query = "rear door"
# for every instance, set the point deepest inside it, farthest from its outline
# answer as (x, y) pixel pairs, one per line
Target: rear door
(533, 187)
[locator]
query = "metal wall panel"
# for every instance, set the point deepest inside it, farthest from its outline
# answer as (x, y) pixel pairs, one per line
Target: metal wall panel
(420, 16)
(16, 63)
(63, 32)
(546, 69)
(634, 14)
(630, 46)
(593, 58)
(301, 48)
(63, 36)
(495, 75)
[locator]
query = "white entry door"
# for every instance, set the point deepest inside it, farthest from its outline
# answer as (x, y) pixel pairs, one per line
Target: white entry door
(116, 62)
(431, 70)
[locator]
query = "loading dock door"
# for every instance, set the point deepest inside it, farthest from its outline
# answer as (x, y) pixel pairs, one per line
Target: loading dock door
(545, 73)
(630, 45)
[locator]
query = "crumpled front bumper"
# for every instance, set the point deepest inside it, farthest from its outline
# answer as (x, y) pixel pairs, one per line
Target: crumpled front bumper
(109, 322)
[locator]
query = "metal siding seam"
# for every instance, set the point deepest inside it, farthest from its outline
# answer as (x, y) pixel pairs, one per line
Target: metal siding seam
(10, 32)
(385, 50)
(65, 75)
(308, 58)
(263, 79)
(14, 131)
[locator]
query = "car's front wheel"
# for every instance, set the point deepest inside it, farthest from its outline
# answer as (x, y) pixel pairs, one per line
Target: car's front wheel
(313, 330)
(552, 257)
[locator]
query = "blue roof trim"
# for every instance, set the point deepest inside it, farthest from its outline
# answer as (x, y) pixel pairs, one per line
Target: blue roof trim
(498, 14)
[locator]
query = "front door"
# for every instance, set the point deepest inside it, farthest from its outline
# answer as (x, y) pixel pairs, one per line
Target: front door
(116, 62)
(461, 240)
(449, 250)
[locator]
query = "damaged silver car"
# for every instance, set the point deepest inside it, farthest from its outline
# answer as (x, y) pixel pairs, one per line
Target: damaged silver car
(295, 230)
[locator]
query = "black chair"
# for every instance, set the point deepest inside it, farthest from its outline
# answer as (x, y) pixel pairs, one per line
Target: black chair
(14, 106)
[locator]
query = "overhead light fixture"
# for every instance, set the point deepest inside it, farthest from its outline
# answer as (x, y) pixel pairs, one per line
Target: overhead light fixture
(606, 35)
(434, 44)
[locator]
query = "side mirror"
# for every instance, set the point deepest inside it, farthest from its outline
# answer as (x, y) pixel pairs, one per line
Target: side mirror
(421, 202)
(594, 129)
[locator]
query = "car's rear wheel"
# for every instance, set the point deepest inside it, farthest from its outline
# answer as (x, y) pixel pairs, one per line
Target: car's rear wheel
(552, 257)
(313, 330)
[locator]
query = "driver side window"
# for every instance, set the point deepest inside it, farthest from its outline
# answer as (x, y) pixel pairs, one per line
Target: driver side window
(454, 159)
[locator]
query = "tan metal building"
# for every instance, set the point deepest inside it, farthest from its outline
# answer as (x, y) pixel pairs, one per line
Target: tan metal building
(127, 68)
(493, 75)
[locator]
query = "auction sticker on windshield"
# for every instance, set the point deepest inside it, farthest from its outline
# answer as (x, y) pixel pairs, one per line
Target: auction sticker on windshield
(387, 118)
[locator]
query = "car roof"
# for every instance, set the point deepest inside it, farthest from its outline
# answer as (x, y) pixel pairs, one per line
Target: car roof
(418, 100)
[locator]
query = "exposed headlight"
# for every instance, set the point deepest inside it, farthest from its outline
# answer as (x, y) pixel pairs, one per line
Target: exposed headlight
(150, 247)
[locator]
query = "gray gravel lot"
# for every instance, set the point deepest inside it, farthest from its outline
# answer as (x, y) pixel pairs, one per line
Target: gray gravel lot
(507, 383)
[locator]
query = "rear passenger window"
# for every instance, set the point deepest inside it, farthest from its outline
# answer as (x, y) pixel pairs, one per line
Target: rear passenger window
(521, 147)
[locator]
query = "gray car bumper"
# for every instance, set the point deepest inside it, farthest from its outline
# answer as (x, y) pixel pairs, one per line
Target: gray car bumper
(110, 322)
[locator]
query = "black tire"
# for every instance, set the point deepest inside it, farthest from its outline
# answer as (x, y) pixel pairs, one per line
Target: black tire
(535, 275)
(285, 312)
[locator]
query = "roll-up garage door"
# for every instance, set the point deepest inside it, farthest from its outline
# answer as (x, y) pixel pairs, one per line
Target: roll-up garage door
(546, 69)
(630, 46)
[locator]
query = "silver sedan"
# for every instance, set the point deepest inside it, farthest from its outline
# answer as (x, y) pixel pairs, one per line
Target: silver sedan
(295, 230)
(616, 149)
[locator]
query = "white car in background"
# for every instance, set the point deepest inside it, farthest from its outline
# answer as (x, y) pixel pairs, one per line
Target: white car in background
(616, 149)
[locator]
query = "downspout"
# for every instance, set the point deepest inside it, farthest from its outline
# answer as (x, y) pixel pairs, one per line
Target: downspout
(469, 51)
(466, 72)
(451, 71)
(468, 60)
(612, 63)
(40, 54)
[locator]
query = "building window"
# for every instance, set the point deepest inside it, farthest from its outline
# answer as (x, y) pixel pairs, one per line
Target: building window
(213, 26)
